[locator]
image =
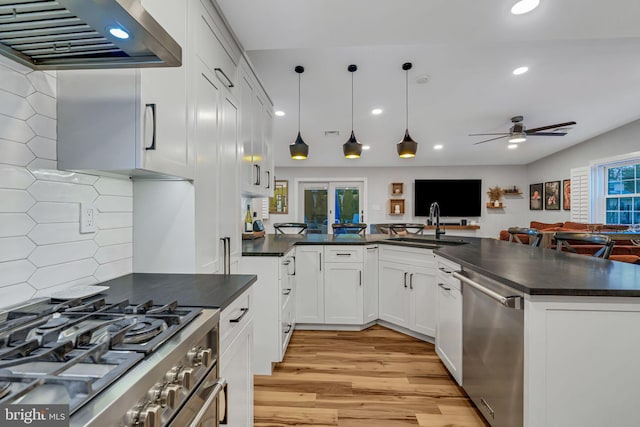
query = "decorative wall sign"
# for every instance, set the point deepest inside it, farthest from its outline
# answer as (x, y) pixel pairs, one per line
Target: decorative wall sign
(279, 203)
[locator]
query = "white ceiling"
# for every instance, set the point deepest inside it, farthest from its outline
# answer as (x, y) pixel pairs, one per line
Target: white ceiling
(583, 58)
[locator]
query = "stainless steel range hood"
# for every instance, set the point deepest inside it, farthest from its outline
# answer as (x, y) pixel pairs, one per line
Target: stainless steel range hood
(77, 34)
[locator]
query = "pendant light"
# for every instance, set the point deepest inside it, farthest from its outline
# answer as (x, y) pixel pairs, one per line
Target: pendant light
(299, 149)
(352, 148)
(407, 147)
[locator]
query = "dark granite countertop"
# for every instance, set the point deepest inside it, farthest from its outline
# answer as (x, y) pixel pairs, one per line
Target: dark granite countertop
(534, 271)
(538, 271)
(193, 290)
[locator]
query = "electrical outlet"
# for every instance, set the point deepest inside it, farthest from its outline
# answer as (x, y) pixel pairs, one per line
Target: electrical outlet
(88, 214)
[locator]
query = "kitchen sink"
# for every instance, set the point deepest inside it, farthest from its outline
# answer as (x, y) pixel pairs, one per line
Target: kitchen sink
(427, 241)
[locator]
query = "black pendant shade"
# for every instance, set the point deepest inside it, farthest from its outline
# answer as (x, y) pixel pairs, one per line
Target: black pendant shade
(299, 150)
(407, 148)
(352, 148)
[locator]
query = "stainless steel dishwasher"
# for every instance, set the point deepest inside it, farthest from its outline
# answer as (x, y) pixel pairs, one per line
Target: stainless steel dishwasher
(493, 348)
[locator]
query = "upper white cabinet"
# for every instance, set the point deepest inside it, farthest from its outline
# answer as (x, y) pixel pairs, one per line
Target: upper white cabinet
(255, 135)
(131, 122)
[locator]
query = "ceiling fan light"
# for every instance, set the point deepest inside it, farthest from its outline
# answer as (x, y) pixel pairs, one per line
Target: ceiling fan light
(352, 148)
(299, 149)
(517, 138)
(407, 148)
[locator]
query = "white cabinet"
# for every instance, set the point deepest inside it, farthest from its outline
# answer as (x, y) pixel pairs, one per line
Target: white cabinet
(236, 359)
(275, 315)
(449, 318)
(343, 293)
(408, 289)
(133, 121)
(255, 135)
(370, 303)
(309, 284)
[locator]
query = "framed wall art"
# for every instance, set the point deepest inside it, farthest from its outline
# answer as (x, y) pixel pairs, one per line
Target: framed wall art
(566, 194)
(535, 197)
(279, 203)
(552, 195)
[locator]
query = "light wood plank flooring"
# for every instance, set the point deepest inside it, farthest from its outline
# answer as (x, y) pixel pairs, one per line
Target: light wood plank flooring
(376, 377)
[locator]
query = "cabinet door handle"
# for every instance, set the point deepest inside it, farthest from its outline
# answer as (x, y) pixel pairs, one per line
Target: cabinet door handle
(444, 270)
(153, 134)
(289, 326)
(287, 262)
(411, 281)
(294, 265)
(244, 311)
(442, 285)
(320, 262)
(257, 174)
(219, 71)
(360, 277)
(405, 279)
(268, 179)
(286, 291)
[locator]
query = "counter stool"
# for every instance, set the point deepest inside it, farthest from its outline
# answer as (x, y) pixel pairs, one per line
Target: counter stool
(281, 227)
(563, 240)
(534, 236)
(401, 228)
(353, 228)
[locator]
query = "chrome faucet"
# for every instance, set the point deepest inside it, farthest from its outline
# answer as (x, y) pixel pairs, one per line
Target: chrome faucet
(434, 209)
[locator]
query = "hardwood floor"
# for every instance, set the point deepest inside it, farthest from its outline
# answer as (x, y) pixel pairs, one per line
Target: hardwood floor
(376, 377)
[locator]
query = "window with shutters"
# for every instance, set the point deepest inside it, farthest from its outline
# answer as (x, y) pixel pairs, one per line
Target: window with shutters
(622, 194)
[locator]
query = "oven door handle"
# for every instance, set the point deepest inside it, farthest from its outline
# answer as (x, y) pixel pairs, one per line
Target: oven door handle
(218, 386)
(508, 301)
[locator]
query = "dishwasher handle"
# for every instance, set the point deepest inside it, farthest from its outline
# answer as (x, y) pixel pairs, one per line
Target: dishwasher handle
(509, 301)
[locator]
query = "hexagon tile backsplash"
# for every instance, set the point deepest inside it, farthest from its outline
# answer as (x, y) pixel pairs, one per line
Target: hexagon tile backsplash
(41, 247)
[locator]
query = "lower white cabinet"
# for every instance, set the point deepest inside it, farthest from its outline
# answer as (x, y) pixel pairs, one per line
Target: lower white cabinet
(343, 293)
(449, 319)
(370, 274)
(275, 314)
(407, 290)
(236, 359)
(309, 284)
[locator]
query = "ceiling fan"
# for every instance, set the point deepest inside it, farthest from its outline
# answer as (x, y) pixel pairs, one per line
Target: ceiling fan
(519, 132)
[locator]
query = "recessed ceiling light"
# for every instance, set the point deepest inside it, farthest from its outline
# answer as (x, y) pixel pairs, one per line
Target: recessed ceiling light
(438, 147)
(524, 6)
(279, 113)
(366, 147)
(520, 70)
(376, 111)
(512, 146)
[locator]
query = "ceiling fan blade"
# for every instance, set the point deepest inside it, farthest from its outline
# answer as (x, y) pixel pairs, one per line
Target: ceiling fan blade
(487, 134)
(547, 134)
(492, 139)
(559, 125)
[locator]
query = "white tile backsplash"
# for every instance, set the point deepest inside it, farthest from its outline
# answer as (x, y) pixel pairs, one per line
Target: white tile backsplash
(41, 247)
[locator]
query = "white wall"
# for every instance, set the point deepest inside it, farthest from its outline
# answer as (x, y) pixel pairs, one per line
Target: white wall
(556, 167)
(41, 248)
(516, 211)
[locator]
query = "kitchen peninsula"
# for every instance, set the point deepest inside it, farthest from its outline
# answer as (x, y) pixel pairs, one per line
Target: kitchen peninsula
(580, 315)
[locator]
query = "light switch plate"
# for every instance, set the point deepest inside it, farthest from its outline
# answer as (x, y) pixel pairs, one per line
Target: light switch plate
(88, 214)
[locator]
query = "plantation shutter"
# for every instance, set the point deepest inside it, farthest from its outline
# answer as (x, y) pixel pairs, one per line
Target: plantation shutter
(581, 194)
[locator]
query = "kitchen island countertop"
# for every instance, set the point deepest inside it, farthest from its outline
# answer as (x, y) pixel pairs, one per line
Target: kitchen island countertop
(192, 290)
(534, 271)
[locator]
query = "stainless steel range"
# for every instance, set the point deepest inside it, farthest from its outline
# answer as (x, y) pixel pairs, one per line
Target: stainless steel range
(114, 364)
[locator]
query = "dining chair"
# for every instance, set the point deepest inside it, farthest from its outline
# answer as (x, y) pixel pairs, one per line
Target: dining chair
(534, 235)
(282, 227)
(564, 240)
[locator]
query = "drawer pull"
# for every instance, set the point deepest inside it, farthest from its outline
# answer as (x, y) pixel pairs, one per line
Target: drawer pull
(411, 281)
(442, 285)
(444, 270)
(405, 279)
(287, 262)
(289, 326)
(244, 311)
(343, 254)
(286, 291)
(372, 248)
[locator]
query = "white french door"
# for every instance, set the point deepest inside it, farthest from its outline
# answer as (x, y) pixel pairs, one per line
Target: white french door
(321, 204)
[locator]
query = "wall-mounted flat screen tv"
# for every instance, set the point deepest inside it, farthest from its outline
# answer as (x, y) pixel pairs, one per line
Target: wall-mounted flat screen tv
(456, 197)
